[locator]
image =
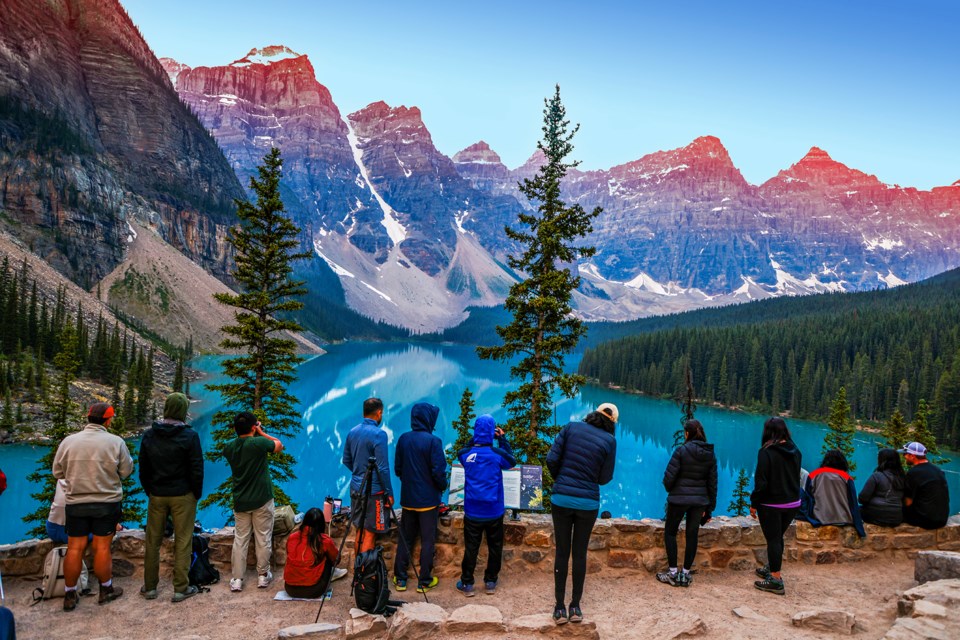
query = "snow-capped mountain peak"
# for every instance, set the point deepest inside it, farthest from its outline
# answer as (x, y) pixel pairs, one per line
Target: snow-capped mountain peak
(266, 55)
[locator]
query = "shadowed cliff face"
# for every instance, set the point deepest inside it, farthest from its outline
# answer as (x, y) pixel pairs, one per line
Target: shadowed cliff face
(92, 132)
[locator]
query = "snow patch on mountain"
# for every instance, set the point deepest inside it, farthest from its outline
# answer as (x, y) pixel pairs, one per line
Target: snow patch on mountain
(266, 55)
(872, 244)
(891, 280)
(396, 230)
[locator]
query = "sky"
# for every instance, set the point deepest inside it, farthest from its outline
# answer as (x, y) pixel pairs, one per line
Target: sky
(876, 84)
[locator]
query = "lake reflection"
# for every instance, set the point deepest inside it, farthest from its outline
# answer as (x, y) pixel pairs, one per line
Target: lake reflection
(332, 388)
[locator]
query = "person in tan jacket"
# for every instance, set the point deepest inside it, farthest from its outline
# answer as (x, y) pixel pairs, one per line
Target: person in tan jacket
(94, 463)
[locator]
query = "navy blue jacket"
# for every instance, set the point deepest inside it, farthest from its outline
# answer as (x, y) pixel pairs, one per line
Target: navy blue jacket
(691, 476)
(419, 461)
(483, 466)
(365, 440)
(582, 458)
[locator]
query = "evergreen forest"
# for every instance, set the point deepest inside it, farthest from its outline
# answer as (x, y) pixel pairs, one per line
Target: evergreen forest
(889, 349)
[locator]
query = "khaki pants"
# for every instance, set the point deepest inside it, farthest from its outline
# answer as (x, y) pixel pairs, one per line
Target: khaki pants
(259, 522)
(183, 510)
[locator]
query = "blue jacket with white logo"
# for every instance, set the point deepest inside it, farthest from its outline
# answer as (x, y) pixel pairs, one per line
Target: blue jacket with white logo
(483, 466)
(419, 461)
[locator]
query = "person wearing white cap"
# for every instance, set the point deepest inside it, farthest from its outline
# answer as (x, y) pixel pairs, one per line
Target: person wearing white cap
(581, 459)
(926, 502)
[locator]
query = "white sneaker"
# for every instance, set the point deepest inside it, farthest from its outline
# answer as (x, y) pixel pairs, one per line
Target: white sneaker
(264, 581)
(236, 584)
(338, 573)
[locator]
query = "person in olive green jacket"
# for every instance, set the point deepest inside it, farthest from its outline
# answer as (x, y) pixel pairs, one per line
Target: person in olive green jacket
(171, 473)
(253, 507)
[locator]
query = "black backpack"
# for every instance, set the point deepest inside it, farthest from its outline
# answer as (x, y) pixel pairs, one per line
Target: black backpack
(370, 587)
(201, 571)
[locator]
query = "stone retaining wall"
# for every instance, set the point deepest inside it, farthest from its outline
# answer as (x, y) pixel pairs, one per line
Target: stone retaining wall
(726, 543)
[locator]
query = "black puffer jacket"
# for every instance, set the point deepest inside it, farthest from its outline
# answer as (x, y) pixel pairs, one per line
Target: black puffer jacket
(583, 457)
(171, 462)
(691, 476)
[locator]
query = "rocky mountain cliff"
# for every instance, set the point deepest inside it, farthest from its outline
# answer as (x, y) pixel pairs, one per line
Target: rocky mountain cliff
(384, 209)
(684, 224)
(92, 134)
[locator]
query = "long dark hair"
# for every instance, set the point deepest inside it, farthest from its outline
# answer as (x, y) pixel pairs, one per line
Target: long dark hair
(835, 460)
(313, 526)
(775, 430)
(888, 460)
(693, 430)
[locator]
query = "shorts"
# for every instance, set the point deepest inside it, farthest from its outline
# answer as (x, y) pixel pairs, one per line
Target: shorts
(97, 518)
(377, 519)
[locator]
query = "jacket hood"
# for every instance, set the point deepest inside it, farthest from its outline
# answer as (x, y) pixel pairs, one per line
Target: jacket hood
(167, 428)
(785, 449)
(699, 449)
(423, 417)
(483, 429)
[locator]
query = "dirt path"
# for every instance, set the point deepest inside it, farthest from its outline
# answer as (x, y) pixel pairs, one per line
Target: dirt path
(624, 605)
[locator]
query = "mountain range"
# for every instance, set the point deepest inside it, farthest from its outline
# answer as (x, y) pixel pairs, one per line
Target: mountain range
(96, 133)
(415, 236)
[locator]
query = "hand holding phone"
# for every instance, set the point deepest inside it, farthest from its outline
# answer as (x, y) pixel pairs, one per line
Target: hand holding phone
(498, 432)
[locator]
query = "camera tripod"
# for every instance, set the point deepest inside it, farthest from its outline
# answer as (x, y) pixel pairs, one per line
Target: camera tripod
(366, 489)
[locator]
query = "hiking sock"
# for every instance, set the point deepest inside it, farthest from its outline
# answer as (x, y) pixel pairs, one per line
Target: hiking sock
(673, 571)
(67, 589)
(108, 583)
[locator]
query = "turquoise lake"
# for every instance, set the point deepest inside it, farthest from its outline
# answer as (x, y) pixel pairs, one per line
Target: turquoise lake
(332, 388)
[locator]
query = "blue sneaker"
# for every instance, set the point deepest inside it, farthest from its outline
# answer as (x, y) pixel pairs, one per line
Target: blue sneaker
(401, 585)
(465, 589)
(491, 587)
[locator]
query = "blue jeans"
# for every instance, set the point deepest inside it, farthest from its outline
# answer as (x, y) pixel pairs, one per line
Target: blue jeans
(57, 532)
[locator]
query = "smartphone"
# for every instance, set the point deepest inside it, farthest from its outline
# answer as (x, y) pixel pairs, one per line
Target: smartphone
(336, 505)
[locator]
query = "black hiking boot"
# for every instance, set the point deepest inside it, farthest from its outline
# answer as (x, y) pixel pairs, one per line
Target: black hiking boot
(70, 600)
(770, 585)
(109, 594)
(764, 572)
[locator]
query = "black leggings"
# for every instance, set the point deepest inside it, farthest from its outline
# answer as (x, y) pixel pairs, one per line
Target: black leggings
(774, 523)
(312, 591)
(572, 529)
(676, 513)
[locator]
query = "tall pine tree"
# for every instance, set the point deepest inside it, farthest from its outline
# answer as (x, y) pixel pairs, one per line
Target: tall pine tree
(62, 412)
(840, 429)
(543, 328)
(266, 243)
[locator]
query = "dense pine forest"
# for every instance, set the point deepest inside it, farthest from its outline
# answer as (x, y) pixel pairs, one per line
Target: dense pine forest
(889, 349)
(31, 338)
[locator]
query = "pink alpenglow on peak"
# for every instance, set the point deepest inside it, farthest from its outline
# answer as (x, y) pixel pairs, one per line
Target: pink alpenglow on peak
(479, 153)
(266, 55)
(818, 169)
(173, 68)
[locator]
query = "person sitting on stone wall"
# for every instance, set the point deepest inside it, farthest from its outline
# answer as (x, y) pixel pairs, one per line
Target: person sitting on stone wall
(311, 559)
(927, 498)
(830, 497)
(881, 499)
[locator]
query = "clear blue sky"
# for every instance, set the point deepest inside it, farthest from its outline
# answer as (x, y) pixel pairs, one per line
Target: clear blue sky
(876, 84)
